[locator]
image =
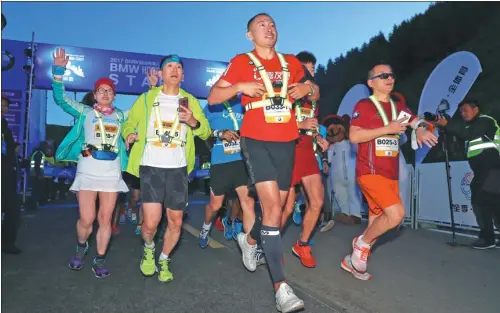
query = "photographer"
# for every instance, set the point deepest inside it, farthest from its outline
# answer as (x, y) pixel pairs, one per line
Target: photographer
(482, 136)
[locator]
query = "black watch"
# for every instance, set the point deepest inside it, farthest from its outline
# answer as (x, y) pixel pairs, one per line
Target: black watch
(197, 125)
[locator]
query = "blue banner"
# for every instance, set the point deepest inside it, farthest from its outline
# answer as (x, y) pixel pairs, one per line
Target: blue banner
(13, 60)
(126, 69)
(61, 172)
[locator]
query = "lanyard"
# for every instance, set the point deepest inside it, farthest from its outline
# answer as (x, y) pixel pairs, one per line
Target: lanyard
(381, 111)
(231, 115)
(102, 131)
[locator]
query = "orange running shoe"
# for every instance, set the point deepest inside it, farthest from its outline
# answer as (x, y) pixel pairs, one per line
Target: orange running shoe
(304, 254)
(218, 224)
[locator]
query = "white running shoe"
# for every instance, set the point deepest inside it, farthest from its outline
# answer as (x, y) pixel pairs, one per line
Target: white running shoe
(247, 252)
(133, 218)
(286, 300)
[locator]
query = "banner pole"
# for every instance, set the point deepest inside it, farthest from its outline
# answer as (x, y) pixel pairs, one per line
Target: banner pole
(28, 107)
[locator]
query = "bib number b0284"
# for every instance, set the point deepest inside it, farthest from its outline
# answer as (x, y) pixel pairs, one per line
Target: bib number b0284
(387, 146)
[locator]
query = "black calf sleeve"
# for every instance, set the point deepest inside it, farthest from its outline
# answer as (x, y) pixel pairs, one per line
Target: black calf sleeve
(273, 249)
(255, 231)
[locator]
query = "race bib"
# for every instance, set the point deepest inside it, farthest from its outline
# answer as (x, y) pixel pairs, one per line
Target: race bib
(167, 125)
(387, 146)
(304, 114)
(231, 147)
(110, 131)
(276, 114)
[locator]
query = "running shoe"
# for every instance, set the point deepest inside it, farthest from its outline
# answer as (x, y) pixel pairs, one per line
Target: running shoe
(77, 260)
(138, 230)
(164, 275)
(100, 269)
(247, 252)
(203, 238)
(286, 300)
(148, 266)
(304, 254)
(346, 265)
(228, 229)
(218, 224)
(237, 228)
(260, 256)
(297, 214)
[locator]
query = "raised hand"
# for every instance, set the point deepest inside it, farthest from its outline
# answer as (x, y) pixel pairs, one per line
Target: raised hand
(60, 58)
(153, 76)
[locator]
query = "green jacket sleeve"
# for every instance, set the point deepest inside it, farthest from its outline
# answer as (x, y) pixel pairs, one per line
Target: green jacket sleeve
(70, 106)
(133, 117)
(203, 132)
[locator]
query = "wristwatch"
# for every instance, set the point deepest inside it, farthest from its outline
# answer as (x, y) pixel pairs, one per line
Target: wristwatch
(312, 90)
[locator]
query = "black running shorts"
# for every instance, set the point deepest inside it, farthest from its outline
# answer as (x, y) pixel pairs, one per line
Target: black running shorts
(131, 180)
(164, 185)
(269, 161)
(226, 177)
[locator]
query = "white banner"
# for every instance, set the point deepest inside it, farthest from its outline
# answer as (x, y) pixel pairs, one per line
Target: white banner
(356, 93)
(433, 204)
(447, 85)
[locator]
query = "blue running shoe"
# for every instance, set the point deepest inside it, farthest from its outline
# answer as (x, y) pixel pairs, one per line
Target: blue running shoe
(203, 238)
(297, 214)
(237, 228)
(77, 260)
(100, 269)
(228, 229)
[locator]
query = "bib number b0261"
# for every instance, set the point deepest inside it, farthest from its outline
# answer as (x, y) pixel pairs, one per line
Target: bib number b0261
(387, 146)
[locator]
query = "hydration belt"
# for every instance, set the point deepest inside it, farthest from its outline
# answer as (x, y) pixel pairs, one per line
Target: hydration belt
(103, 151)
(165, 136)
(272, 98)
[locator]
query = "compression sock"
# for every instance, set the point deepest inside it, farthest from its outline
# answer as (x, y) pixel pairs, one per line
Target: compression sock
(273, 249)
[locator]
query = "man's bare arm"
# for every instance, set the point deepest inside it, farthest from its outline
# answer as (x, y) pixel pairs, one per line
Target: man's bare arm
(222, 91)
(315, 95)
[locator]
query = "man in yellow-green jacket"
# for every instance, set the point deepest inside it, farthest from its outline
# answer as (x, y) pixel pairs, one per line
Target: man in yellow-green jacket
(162, 124)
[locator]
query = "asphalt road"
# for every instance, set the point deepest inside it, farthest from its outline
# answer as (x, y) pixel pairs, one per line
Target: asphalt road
(413, 271)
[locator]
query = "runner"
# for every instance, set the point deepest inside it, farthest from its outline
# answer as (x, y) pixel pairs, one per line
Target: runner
(100, 163)
(227, 171)
(137, 215)
(306, 169)
(269, 82)
(377, 162)
(166, 118)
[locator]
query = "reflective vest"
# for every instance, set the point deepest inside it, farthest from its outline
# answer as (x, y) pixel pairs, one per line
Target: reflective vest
(32, 163)
(476, 146)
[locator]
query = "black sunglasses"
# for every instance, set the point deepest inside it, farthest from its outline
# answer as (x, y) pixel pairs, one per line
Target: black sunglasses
(384, 76)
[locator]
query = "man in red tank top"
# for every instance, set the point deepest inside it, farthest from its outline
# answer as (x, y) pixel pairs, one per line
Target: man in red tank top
(269, 83)
(377, 123)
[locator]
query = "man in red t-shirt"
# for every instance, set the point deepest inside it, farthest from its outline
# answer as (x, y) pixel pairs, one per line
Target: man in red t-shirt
(377, 123)
(306, 168)
(269, 82)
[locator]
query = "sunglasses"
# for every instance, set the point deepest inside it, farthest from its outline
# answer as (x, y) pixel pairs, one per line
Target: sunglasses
(384, 76)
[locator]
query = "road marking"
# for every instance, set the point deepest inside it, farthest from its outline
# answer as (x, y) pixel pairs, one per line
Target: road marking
(195, 232)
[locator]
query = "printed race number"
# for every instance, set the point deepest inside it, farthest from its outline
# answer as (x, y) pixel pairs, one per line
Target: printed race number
(387, 146)
(109, 131)
(276, 113)
(231, 147)
(167, 125)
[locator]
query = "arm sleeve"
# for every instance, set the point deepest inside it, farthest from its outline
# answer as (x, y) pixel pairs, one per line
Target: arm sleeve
(70, 106)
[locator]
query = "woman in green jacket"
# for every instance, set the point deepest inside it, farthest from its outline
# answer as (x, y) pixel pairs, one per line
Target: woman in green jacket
(95, 143)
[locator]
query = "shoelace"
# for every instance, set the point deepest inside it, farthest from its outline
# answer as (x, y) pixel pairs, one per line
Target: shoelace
(164, 264)
(288, 290)
(100, 263)
(204, 233)
(365, 252)
(145, 253)
(80, 251)
(253, 252)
